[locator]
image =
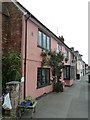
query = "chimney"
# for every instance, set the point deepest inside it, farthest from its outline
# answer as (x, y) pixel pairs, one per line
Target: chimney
(76, 53)
(61, 38)
(72, 49)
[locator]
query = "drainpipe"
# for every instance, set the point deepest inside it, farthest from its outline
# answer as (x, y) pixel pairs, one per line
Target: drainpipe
(27, 15)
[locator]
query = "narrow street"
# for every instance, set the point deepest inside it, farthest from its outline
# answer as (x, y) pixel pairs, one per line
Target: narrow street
(72, 103)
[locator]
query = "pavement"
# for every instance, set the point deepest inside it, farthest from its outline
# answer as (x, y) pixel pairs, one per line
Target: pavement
(72, 103)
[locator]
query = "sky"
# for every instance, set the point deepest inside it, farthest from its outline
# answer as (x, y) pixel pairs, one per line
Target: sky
(64, 17)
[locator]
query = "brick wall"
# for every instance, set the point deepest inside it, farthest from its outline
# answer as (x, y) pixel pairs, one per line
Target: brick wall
(11, 34)
(11, 27)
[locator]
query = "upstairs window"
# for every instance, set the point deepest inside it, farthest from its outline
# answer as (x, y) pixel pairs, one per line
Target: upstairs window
(43, 40)
(66, 53)
(59, 47)
(39, 38)
(48, 43)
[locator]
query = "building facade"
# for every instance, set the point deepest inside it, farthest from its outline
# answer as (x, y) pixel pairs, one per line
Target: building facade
(70, 67)
(29, 36)
(81, 65)
(39, 38)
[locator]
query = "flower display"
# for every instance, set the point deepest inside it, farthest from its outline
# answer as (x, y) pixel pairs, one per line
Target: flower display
(28, 101)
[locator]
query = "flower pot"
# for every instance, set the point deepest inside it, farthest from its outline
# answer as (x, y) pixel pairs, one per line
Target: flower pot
(28, 103)
(23, 103)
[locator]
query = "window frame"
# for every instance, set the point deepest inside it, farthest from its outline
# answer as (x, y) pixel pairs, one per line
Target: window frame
(59, 45)
(71, 72)
(66, 53)
(40, 80)
(49, 43)
(44, 41)
(41, 46)
(39, 39)
(66, 75)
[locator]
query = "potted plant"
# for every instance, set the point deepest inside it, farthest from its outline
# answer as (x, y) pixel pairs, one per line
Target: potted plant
(28, 101)
(23, 103)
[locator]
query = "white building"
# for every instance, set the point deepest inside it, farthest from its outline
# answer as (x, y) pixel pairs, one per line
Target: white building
(84, 67)
(80, 65)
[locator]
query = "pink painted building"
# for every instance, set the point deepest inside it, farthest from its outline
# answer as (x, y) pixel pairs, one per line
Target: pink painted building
(38, 80)
(35, 37)
(70, 67)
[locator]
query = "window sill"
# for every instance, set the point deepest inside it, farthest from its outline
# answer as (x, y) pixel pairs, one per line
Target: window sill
(43, 48)
(44, 86)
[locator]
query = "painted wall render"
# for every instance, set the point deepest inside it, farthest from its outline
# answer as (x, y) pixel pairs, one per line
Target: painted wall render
(34, 59)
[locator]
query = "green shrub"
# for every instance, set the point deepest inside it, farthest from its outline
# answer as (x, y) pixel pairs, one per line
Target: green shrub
(11, 67)
(58, 87)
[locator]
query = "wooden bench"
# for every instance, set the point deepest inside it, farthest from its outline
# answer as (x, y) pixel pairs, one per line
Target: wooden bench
(21, 109)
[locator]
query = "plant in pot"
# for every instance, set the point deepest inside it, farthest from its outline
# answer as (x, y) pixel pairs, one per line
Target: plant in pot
(25, 103)
(28, 101)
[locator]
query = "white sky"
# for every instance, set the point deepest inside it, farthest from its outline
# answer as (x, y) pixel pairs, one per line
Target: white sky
(69, 16)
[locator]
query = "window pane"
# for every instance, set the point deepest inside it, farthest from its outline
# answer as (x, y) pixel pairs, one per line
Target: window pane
(43, 77)
(44, 41)
(47, 76)
(66, 54)
(39, 77)
(72, 72)
(59, 47)
(39, 38)
(48, 43)
(67, 73)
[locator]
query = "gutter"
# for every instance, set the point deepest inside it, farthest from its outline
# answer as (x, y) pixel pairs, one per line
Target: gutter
(18, 6)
